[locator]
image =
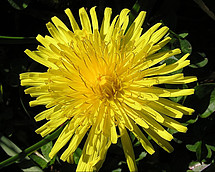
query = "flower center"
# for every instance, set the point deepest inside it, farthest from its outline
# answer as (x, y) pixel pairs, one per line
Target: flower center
(108, 86)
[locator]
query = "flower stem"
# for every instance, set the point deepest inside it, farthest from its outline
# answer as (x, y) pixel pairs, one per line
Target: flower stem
(20, 156)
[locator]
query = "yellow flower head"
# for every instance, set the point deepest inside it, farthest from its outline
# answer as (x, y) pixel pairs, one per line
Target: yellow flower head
(106, 82)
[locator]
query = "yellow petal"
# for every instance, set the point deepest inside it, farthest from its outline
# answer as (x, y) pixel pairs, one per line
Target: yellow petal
(156, 127)
(170, 123)
(106, 22)
(143, 140)
(72, 20)
(160, 141)
(158, 34)
(94, 19)
(75, 141)
(46, 113)
(174, 105)
(165, 109)
(59, 23)
(50, 126)
(85, 21)
(128, 149)
(40, 60)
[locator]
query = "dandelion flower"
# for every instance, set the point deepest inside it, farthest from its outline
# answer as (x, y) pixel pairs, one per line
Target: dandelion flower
(106, 82)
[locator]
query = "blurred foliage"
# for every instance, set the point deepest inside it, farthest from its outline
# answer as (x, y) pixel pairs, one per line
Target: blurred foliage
(192, 28)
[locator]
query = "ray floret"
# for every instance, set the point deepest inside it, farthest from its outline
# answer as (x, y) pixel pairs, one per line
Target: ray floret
(106, 82)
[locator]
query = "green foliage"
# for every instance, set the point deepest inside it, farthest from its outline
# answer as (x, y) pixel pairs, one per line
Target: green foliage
(19, 4)
(16, 40)
(210, 148)
(201, 61)
(204, 95)
(185, 46)
(43, 159)
(141, 156)
(211, 106)
(197, 147)
(46, 149)
(39, 159)
(77, 155)
(11, 149)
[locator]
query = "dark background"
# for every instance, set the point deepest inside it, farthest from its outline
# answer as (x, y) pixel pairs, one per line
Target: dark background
(16, 118)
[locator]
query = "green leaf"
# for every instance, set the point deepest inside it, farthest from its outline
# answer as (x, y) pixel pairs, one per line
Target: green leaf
(200, 64)
(77, 155)
(53, 160)
(210, 149)
(172, 131)
(211, 107)
(176, 99)
(17, 40)
(196, 148)
(202, 97)
(192, 121)
(136, 7)
(132, 136)
(183, 35)
(46, 149)
(199, 151)
(134, 11)
(185, 46)
(141, 156)
(137, 143)
(39, 159)
(12, 150)
(19, 4)
(117, 170)
(193, 148)
(20, 156)
(199, 60)
(204, 89)
(9, 147)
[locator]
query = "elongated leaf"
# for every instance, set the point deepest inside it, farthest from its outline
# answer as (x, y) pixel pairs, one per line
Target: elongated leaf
(211, 107)
(192, 121)
(134, 11)
(197, 147)
(210, 149)
(46, 149)
(33, 148)
(202, 97)
(185, 46)
(193, 148)
(200, 64)
(19, 4)
(117, 170)
(183, 35)
(39, 159)
(17, 40)
(11, 149)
